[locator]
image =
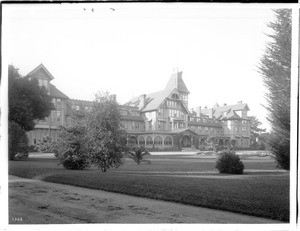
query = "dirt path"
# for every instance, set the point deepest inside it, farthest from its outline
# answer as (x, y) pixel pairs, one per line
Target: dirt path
(38, 202)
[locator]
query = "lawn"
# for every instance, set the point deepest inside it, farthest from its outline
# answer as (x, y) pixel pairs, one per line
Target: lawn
(260, 191)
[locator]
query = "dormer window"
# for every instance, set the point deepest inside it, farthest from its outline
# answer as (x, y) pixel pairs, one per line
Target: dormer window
(123, 112)
(58, 101)
(43, 83)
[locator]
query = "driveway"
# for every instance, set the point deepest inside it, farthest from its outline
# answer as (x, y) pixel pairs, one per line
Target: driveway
(38, 202)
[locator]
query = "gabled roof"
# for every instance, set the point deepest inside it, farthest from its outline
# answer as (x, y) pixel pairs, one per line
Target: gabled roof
(234, 107)
(153, 100)
(55, 93)
(227, 111)
(176, 81)
(232, 115)
(178, 131)
(41, 67)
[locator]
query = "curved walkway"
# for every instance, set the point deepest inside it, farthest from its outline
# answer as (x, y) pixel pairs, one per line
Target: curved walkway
(38, 202)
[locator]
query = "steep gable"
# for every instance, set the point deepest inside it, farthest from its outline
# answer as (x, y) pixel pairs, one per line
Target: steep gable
(40, 71)
(176, 82)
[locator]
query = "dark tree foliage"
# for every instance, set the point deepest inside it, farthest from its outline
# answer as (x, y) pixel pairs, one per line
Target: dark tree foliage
(27, 101)
(17, 141)
(105, 136)
(275, 68)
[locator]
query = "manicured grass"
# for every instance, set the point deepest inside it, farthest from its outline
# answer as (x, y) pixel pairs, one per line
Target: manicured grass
(179, 179)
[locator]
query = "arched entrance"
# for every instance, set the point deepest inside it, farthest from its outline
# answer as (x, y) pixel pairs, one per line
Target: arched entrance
(221, 143)
(186, 142)
(226, 143)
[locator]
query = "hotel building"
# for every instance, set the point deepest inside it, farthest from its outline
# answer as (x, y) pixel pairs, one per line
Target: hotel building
(159, 120)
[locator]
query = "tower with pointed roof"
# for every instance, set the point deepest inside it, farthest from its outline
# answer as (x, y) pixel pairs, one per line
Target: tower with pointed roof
(176, 82)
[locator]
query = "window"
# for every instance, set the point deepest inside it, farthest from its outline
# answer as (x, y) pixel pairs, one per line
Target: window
(141, 140)
(123, 112)
(43, 83)
(168, 141)
(149, 140)
(158, 140)
(160, 112)
(58, 101)
(133, 113)
(175, 96)
(53, 116)
(58, 116)
(160, 125)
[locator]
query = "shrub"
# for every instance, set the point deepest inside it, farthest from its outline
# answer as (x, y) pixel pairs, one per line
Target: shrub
(47, 145)
(33, 148)
(230, 163)
(18, 141)
(71, 150)
(137, 154)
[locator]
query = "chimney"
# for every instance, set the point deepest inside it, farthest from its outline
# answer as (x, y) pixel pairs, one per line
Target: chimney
(210, 113)
(199, 111)
(114, 97)
(142, 101)
(240, 101)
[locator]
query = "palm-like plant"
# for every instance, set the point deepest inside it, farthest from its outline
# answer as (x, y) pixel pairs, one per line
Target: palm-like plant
(137, 154)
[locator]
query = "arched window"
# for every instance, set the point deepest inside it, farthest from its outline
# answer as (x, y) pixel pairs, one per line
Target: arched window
(168, 140)
(158, 140)
(149, 140)
(175, 96)
(141, 140)
(132, 141)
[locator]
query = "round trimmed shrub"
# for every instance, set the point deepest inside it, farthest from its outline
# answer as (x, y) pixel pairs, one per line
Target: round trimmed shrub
(230, 163)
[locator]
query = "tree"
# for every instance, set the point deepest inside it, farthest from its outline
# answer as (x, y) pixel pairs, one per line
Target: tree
(17, 142)
(137, 154)
(71, 148)
(105, 136)
(255, 131)
(275, 68)
(27, 101)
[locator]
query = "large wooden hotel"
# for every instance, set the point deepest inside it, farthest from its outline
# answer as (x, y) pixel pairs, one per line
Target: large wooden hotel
(159, 120)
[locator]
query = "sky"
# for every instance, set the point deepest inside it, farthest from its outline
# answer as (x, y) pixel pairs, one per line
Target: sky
(133, 49)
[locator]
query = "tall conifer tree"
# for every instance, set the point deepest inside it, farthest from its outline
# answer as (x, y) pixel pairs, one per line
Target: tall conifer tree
(275, 67)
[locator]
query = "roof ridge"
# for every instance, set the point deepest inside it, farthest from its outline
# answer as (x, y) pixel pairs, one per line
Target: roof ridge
(44, 68)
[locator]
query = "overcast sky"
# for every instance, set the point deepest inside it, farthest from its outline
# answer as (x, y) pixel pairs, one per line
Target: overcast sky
(132, 49)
